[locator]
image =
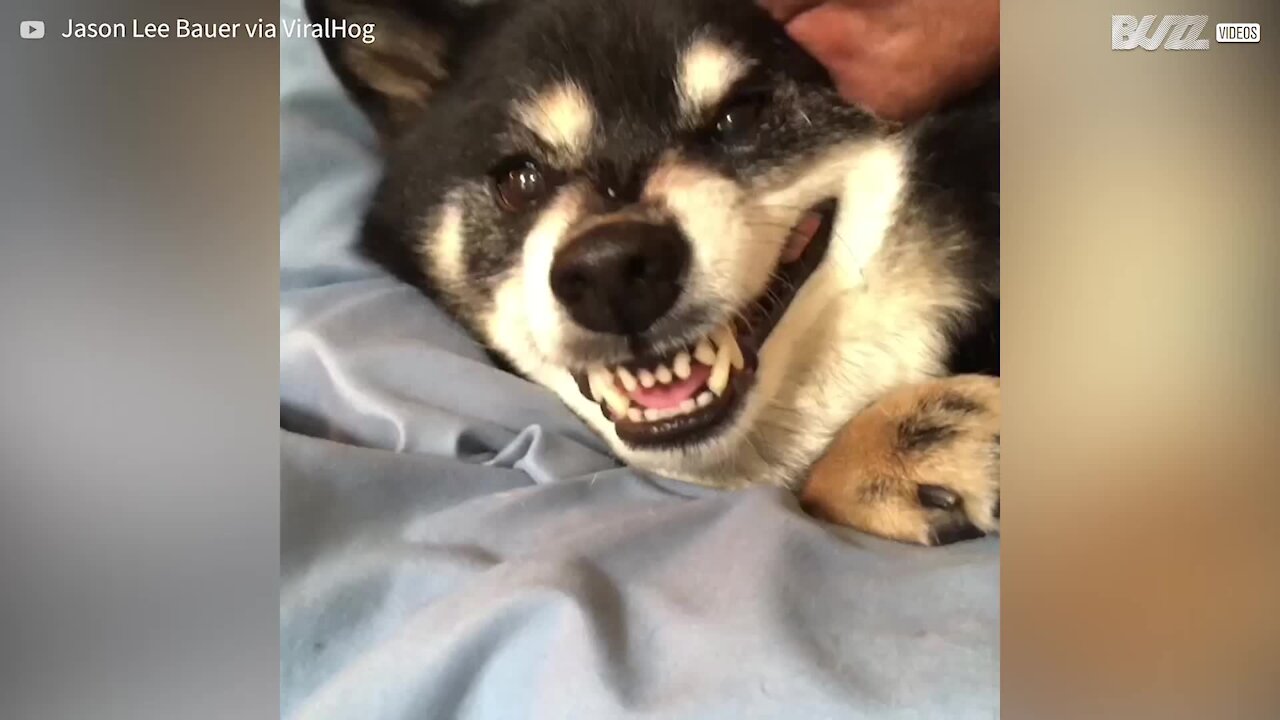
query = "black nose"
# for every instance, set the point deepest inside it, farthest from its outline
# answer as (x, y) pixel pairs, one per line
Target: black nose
(620, 277)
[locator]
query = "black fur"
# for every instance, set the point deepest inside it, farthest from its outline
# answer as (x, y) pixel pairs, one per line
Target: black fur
(956, 183)
(623, 53)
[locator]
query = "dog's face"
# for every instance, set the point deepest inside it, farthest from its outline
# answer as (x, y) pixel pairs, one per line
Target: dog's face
(658, 209)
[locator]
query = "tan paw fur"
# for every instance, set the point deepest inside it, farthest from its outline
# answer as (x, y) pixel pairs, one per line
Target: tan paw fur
(921, 465)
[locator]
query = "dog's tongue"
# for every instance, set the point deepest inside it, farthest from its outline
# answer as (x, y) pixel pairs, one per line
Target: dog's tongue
(662, 397)
(800, 236)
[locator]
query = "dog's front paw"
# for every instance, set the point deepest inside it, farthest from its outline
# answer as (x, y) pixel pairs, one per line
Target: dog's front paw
(920, 465)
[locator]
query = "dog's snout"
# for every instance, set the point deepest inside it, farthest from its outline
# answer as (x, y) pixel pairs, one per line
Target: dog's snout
(619, 278)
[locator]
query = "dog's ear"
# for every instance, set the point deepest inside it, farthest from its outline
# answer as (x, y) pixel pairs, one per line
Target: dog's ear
(391, 71)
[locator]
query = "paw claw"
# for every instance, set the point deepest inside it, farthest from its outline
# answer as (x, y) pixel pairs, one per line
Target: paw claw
(954, 532)
(936, 496)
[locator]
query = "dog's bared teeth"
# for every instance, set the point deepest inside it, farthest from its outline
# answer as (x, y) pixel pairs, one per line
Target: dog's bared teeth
(682, 366)
(663, 374)
(719, 379)
(636, 414)
(601, 380)
(628, 380)
(704, 353)
(646, 378)
(726, 341)
(617, 401)
(593, 382)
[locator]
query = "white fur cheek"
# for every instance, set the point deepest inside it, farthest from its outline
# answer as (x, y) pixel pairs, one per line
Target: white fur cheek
(792, 334)
(506, 327)
(872, 192)
(871, 189)
(541, 310)
(825, 358)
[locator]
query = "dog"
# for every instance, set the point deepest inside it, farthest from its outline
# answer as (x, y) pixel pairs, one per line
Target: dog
(663, 211)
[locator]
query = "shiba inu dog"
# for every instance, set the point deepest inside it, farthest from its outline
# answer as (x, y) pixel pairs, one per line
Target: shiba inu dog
(662, 211)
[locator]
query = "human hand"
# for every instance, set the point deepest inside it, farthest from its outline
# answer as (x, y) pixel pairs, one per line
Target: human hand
(897, 58)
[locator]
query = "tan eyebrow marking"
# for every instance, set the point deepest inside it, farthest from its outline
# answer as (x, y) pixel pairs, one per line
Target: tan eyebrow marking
(707, 71)
(562, 117)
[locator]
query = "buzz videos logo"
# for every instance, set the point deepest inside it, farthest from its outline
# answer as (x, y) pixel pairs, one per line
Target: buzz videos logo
(1176, 32)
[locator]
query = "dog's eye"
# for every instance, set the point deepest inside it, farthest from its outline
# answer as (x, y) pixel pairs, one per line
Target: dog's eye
(520, 185)
(737, 121)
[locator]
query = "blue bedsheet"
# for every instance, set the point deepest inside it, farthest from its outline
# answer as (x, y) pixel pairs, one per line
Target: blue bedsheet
(455, 544)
